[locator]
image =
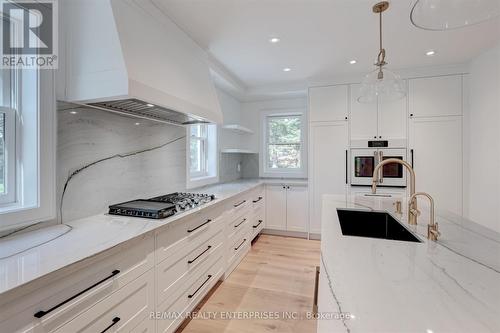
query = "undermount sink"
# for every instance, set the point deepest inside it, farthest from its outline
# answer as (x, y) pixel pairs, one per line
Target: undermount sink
(373, 225)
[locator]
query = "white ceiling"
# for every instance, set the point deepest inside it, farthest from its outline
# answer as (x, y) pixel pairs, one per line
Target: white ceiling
(318, 37)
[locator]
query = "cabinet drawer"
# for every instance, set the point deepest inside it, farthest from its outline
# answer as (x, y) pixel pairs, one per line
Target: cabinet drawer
(188, 234)
(64, 298)
(120, 312)
(185, 298)
(258, 199)
(238, 248)
(257, 222)
(174, 270)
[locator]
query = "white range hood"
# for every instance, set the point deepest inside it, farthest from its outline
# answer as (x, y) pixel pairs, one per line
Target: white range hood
(126, 56)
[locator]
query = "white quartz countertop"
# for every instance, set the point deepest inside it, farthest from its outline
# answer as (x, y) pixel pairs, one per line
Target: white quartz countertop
(84, 238)
(394, 286)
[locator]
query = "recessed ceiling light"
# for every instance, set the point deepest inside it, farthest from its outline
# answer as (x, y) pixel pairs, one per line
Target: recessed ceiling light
(287, 69)
(73, 112)
(352, 62)
(274, 40)
(150, 105)
(137, 124)
(430, 53)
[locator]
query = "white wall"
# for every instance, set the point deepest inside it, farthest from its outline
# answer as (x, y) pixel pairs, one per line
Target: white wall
(482, 128)
(251, 118)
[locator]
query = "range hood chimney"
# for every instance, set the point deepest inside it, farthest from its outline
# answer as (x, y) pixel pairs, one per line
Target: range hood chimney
(126, 56)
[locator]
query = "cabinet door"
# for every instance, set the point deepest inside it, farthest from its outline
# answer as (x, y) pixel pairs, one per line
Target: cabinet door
(276, 207)
(328, 103)
(297, 208)
(435, 96)
(392, 119)
(437, 158)
(327, 166)
(363, 117)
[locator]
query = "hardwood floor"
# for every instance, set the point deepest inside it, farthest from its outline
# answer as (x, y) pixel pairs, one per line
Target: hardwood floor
(276, 276)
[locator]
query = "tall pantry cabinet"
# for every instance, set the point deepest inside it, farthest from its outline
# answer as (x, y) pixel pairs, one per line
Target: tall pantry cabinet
(328, 147)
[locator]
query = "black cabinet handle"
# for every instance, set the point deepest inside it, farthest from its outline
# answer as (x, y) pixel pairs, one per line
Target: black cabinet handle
(255, 226)
(115, 320)
(243, 242)
(239, 204)
(346, 165)
(204, 282)
(411, 152)
(259, 199)
(316, 284)
(201, 225)
(236, 226)
(199, 255)
(42, 313)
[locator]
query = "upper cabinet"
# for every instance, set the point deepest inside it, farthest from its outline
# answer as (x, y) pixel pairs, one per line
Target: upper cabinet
(381, 120)
(329, 103)
(435, 96)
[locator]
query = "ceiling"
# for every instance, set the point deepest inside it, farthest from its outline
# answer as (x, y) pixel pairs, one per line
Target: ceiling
(318, 37)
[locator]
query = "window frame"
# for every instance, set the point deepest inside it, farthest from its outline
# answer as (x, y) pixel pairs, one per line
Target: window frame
(10, 155)
(209, 170)
(265, 171)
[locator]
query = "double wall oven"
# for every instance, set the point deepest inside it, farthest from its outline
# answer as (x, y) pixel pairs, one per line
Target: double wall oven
(366, 155)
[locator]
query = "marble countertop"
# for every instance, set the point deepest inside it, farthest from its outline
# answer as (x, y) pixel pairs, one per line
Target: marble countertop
(85, 238)
(394, 286)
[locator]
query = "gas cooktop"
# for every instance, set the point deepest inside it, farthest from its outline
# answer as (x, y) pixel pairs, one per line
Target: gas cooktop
(162, 206)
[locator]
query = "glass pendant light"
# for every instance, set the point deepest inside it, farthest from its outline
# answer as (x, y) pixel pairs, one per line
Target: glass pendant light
(381, 84)
(452, 14)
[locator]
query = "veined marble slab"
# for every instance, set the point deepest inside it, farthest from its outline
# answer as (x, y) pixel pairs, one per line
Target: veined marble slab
(393, 286)
(87, 238)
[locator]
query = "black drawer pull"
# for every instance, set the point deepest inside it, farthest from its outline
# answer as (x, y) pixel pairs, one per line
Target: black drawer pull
(199, 255)
(42, 313)
(316, 289)
(204, 282)
(259, 199)
(201, 225)
(243, 242)
(255, 226)
(115, 320)
(239, 204)
(242, 221)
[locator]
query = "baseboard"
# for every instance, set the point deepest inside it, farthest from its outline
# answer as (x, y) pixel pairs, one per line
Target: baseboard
(285, 233)
(315, 236)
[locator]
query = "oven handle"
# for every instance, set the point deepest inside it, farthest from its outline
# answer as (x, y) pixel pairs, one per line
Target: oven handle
(346, 166)
(411, 152)
(381, 174)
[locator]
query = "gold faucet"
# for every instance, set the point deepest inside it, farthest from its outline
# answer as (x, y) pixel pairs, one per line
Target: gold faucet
(378, 176)
(432, 228)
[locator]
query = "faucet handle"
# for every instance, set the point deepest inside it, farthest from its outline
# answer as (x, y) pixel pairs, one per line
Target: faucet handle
(433, 231)
(414, 211)
(398, 205)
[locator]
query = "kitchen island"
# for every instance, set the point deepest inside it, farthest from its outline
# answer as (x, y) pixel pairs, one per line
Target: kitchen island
(379, 285)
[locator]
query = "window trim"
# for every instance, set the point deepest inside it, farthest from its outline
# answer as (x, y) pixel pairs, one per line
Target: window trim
(10, 154)
(265, 171)
(210, 174)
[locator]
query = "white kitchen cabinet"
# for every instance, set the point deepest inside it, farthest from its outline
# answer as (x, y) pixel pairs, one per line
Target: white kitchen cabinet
(363, 117)
(287, 207)
(435, 96)
(328, 163)
(392, 118)
(276, 207)
(297, 212)
(436, 153)
(328, 103)
(381, 120)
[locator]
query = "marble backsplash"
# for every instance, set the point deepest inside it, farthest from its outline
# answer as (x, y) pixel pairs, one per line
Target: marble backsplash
(135, 158)
(110, 158)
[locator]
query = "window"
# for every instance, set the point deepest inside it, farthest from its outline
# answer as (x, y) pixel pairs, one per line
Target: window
(202, 155)
(7, 138)
(284, 150)
(27, 146)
